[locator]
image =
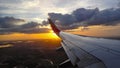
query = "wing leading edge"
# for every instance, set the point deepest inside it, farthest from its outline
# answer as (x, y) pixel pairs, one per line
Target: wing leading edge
(87, 52)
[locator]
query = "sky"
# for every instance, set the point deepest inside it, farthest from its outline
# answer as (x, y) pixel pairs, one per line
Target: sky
(83, 17)
(38, 10)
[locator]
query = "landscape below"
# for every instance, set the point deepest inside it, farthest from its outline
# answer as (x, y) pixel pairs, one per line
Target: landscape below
(31, 54)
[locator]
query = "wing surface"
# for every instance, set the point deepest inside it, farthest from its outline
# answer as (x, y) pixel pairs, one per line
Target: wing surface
(91, 52)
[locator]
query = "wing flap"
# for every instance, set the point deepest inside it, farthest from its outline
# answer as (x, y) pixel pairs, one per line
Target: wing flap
(70, 55)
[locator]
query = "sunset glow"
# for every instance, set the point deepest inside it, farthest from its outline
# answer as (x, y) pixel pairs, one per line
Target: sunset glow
(21, 36)
(98, 31)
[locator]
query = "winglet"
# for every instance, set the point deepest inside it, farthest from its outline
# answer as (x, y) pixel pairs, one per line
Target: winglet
(54, 28)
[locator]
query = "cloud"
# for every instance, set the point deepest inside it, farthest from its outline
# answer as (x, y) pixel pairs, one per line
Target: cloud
(86, 17)
(11, 25)
(65, 19)
(84, 14)
(30, 9)
(45, 23)
(6, 22)
(106, 17)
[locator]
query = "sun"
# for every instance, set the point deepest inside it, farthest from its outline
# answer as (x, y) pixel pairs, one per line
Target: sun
(53, 35)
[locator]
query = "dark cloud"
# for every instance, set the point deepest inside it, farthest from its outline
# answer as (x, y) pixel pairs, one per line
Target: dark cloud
(66, 19)
(30, 24)
(6, 22)
(87, 17)
(11, 25)
(24, 30)
(106, 17)
(45, 23)
(84, 14)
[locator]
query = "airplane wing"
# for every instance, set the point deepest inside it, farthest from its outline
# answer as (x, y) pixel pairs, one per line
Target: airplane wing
(88, 52)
